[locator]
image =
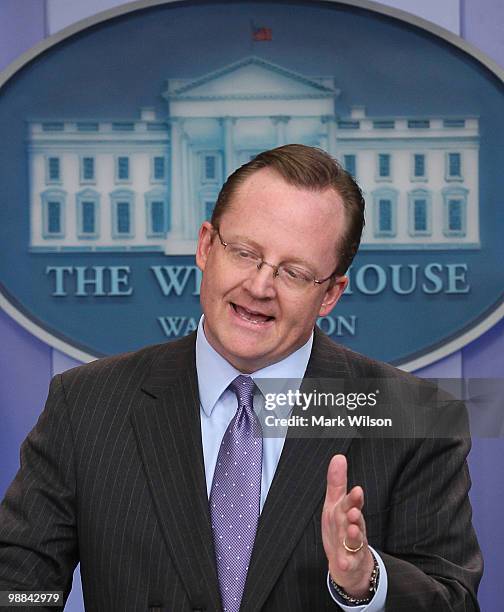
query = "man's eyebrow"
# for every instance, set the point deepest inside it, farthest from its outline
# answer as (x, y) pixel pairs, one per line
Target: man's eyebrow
(245, 240)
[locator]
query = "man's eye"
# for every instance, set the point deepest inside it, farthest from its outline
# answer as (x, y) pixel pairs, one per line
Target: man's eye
(296, 274)
(244, 254)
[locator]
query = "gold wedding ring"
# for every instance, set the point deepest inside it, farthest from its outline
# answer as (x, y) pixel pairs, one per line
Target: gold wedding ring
(352, 550)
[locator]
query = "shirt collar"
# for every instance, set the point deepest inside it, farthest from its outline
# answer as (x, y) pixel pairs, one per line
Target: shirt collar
(215, 373)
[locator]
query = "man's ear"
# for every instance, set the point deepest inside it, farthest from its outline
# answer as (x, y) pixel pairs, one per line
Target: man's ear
(333, 294)
(205, 237)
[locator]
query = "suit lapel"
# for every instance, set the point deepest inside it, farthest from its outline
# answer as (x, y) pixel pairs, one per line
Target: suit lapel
(167, 427)
(297, 488)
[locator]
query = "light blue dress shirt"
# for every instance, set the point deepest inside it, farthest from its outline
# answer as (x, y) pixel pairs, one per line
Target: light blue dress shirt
(218, 406)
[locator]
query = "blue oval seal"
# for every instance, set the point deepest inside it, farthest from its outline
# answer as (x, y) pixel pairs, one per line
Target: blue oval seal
(118, 134)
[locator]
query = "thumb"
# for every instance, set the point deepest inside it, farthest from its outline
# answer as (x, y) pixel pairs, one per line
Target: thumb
(336, 480)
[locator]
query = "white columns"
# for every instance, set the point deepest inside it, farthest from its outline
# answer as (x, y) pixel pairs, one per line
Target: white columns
(229, 158)
(181, 238)
(176, 203)
(187, 205)
(328, 141)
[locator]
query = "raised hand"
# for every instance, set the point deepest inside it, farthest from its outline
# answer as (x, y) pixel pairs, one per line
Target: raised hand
(344, 532)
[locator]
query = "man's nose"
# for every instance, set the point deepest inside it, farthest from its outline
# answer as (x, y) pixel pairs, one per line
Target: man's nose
(261, 282)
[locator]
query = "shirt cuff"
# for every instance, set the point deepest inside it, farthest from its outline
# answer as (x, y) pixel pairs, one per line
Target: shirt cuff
(377, 604)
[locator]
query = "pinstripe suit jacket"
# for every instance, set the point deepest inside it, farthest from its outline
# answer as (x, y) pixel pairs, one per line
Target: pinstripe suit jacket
(113, 475)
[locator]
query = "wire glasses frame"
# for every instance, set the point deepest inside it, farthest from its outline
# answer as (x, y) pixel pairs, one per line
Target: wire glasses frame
(246, 257)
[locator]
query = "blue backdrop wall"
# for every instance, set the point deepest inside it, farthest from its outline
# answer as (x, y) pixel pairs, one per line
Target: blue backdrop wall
(27, 364)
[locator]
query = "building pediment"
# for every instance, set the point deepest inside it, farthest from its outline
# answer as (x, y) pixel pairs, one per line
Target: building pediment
(251, 79)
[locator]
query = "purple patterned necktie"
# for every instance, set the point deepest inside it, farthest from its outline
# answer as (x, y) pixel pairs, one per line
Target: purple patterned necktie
(235, 496)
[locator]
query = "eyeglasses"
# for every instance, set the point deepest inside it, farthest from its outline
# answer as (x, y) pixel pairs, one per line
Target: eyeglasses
(290, 276)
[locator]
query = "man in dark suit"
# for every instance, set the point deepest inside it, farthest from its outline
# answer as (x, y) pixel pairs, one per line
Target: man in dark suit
(147, 467)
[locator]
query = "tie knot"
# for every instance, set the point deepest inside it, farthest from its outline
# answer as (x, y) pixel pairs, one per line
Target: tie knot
(243, 386)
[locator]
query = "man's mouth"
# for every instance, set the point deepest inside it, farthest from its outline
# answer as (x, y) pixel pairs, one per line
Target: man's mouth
(251, 316)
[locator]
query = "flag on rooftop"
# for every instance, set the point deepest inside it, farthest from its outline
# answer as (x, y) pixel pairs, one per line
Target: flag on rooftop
(262, 34)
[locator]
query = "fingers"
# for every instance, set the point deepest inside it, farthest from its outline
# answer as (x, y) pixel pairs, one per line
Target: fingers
(352, 505)
(355, 498)
(349, 561)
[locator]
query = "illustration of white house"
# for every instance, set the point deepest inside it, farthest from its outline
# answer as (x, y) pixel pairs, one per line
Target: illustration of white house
(146, 184)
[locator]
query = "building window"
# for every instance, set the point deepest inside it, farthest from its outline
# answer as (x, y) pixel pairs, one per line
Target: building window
(157, 214)
(53, 171)
(54, 210)
(53, 213)
(210, 168)
(123, 126)
(88, 214)
(156, 126)
(454, 123)
(384, 124)
(158, 169)
(455, 207)
(122, 168)
(209, 207)
(385, 205)
(53, 126)
(350, 163)
(157, 211)
(385, 215)
(453, 166)
(122, 213)
(414, 124)
(88, 217)
(455, 212)
(87, 170)
(419, 168)
(419, 213)
(348, 125)
(207, 200)
(88, 126)
(384, 166)
(123, 225)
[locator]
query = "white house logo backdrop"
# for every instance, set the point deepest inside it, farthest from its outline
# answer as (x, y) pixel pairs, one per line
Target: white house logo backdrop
(118, 138)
